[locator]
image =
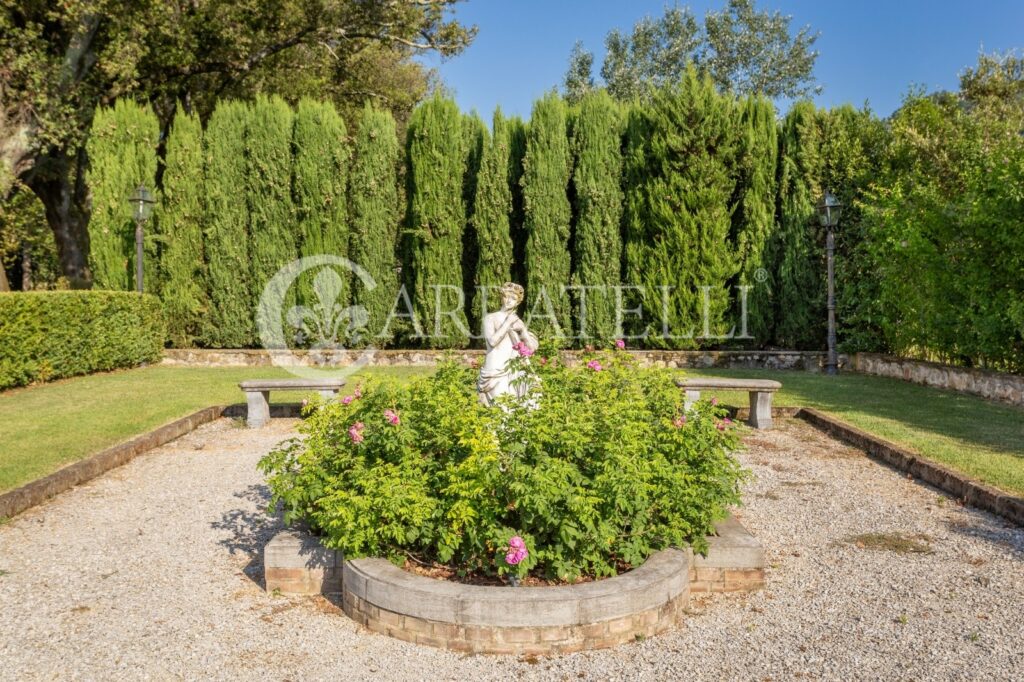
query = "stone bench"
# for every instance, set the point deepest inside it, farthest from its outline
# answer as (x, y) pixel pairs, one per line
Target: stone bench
(760, 390)
(257, 394)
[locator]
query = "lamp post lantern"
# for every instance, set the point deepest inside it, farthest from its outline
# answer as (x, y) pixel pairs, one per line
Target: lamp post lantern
(829, 210)
(142, 208)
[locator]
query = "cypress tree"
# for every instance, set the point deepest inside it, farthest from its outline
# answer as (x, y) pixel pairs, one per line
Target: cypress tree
(680, 180)
(122, 155)
(754, 218)
(597, 178)
(437, 219)
(517, 152)
(268, 143)
(375, 218)
(321, 176)
(181, 214)
(545, 183)
(230, 322)
(474, 139)
(800, 297)
(492, 218)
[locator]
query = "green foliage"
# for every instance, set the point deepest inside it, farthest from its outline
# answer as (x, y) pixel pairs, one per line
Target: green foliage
(182, 217)
(604, 472)
(230, 322)
(547, 213)
(579, 79)
(492, 218)
(437, 219)
(122, 155)
(375, 217)
(50, 335)
(26, 240)
(797, 253)
(743, 50)
(320, 183)
(597, 178)
(272, 230)
(754, 217)
(949, 210)
(517, 153)
(475, 139)
(679, 181)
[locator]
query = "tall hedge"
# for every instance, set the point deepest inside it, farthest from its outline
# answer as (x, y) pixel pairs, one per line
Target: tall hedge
(230, 323)
(475, 138)
(375, 219)
(597, 178)
(274, 233)
(46, 335)
(182, 216)
(547, 215)
(680, 179)
(517, 152)
(492, 218)
(754, 218)
(437, 219)
(800, 295)
(320, 181)
(122, 154)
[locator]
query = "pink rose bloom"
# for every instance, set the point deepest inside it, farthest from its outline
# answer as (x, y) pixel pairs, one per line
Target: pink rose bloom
(523, 350)
(516, 551)
(305, 401)
(679, 421)
(620, 344)
(714, 401)
(355, 432)
(347, 400)
(543, 361)
(358, 392)
(594, 365)
(720, 425)
(392, 417)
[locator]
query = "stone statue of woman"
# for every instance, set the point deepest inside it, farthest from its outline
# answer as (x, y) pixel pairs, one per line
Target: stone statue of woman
(503, 332)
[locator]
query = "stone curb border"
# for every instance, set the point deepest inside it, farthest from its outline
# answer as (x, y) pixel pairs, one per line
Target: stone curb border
(971, 492)
(502, 620)
(29, 495)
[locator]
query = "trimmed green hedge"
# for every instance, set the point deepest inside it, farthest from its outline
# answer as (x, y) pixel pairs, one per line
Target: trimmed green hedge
(46, 335)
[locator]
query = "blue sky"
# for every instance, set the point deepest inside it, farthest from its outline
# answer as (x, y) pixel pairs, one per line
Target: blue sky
(871, 50)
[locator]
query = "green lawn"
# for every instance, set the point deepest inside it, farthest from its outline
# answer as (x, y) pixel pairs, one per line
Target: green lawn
(45, 427)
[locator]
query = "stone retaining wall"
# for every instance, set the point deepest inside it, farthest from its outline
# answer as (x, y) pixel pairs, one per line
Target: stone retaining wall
(729, 359)
(992, 385)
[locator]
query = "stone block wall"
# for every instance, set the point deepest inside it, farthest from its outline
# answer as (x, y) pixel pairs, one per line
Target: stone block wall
(1007, 388)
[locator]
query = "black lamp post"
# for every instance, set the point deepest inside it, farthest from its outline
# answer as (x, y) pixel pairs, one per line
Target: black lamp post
(829, 210)
(142, 203)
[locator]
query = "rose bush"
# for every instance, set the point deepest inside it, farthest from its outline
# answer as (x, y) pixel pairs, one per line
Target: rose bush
(606, 470)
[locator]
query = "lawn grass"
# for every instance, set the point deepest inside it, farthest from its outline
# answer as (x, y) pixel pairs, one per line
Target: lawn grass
(978, 437)
(45, 427)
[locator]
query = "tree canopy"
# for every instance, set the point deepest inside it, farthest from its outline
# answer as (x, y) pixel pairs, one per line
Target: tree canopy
(742, 49)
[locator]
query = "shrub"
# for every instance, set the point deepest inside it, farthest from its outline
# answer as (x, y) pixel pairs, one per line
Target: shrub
(606, 471)
(48, 335)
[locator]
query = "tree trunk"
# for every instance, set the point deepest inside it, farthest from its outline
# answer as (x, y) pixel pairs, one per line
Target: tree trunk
(59, 184)
(4, 285)
(26, 268)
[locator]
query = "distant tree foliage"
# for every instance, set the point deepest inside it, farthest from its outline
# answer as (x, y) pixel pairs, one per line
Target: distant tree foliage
(744, 50)
(230, 323)
(517, 152)
(547, 214)
(437, 219)
(122, 155)
(679, 181)
(182, 215)
(320, 185)
(597, 178)
(492, 218)
(375, 215)
(475, 138)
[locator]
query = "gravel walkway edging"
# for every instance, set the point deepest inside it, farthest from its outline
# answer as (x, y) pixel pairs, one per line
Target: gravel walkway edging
(29, 495)
(970, 491)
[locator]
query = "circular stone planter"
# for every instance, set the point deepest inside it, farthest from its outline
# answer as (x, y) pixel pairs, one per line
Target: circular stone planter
(518, 620)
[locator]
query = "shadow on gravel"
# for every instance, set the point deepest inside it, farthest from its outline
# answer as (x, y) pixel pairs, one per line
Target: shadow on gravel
(991, 531)
(250, 530)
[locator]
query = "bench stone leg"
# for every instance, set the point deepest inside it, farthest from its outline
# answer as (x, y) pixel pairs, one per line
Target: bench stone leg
(258, 412)
(691, 397)
(760, 409)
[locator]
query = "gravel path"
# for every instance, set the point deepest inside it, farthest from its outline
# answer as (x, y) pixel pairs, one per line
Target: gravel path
(152, 572)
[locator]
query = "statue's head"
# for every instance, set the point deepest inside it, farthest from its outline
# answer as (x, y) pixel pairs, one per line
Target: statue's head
(511, 295)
